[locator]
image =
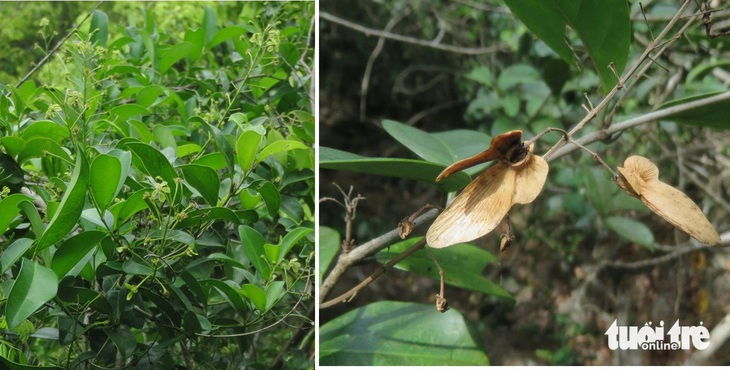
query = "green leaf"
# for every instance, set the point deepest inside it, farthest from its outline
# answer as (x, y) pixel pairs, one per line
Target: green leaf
(36, 147)
(290, 239)
(279, 147)
(225, 34)
(229, 293)
(517, 74)
(210, 24)
(246, 148)
(270, 193)
(221, 141)
(174, 54)
(120, 113)
(464, 144)
(71, 206)
(197, 38)
(153, 163)
(123, 339)
(253, 246)
(13, 253)
(710, 115)
(10, 209)
(327, 247)
(274, 291)
(34, 286)
(204, 179)
(256, 295)
(400, 334)
(603, 26)
(73, 251)
(100, 28)
(394, 167)
(149, 94)
(10, 365)
(105, 175)
(203, 215)
(463, 265)
(482, 75)
(44, 128)
(634, 231)
(422, 143)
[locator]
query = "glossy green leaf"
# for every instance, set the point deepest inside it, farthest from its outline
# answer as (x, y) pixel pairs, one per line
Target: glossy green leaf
(632, 230)
(123, 339)
(464, 144)
(463, 265)
(253, 246)
(133, 204)
(149, 94)
(221, 141)
(120, 113)
(274, 292)
(327, 247)
(210, 24)
(269, 193)
(13, 253)
(256, 295)
(99, 28)
(400, 334)
(230, 294)
(44, 128)
(710, 115)
(11, 365)
(34, 286)
(394, 167)
(71, 206)
(197, 38)
(225, 34)
(73, 251)
(603, 26)
(279, 147)
(246, 148)
(105, 175)
(153, 163)
(9, 209)
(204, 215)
(291, 239)
(422, 143)
(174, 54)
(204, 179)
(36, 147)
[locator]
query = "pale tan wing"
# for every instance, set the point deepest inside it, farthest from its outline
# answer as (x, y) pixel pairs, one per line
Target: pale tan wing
(637, 171)
(477, 210)
(680, 211)
(530, 179)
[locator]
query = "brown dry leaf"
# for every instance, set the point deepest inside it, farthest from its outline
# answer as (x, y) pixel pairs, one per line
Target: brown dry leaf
(517, 177)
(640, 179)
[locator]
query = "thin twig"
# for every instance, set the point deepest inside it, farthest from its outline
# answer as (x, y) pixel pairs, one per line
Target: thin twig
(345, 261)
(407, 39)
(353, 292)
(55, 48)
(594, 112)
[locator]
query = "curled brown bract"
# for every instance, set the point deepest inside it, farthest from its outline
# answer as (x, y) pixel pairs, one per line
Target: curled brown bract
(517, 177)
(640, 178)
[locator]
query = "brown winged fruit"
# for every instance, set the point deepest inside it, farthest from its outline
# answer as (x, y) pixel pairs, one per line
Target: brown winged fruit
(640, 178)
(517, 177)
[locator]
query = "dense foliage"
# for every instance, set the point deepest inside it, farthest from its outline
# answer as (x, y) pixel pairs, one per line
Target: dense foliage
(157, 198)
(436, 82)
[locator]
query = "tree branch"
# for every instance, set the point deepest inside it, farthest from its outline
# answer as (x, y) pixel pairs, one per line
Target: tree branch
(406, 39)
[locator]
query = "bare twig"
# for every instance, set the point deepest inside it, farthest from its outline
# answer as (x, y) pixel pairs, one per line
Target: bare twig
(365, 84)
(55, 48)
(353, 292)
(346, 260)
(644, 56)
(407, 39)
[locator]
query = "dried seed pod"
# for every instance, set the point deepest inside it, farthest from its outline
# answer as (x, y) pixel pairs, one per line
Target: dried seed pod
(517, 177)
(640, 179)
